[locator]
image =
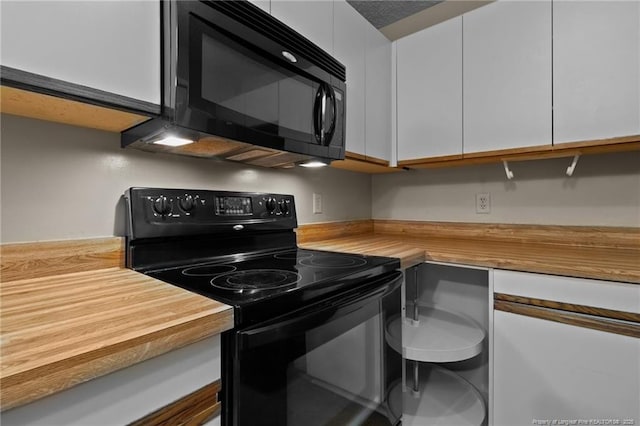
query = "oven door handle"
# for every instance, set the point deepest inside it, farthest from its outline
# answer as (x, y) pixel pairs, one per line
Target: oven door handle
(309, 318)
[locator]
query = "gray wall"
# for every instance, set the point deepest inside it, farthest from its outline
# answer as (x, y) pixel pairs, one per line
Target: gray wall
(66, 182)
(604, 190)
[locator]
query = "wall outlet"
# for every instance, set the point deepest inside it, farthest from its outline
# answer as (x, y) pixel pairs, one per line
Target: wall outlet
(317, 203)
(483, 203)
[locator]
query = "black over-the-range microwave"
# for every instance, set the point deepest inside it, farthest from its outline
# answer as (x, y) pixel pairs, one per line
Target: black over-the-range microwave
(233, 71)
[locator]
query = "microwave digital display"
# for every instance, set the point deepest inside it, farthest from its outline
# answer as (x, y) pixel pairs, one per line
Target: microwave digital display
(233, 206)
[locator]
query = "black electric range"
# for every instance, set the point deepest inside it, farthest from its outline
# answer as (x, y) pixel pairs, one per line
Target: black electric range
(289, 303)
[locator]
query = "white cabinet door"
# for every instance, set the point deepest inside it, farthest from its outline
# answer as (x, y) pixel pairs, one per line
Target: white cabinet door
(507, 76)
(377, 95)
(552, 370)
(126, 395)
(311, 18)
(545, 370)
(596, 60)
(107, 45)
(429, 92)
(350, 45)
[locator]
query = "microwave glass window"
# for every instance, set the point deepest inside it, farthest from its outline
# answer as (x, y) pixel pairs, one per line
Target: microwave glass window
(259, 95)
(294, 93)
(238, 82)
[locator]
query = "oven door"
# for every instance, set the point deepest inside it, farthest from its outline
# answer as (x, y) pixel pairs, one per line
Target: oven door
(324, 365)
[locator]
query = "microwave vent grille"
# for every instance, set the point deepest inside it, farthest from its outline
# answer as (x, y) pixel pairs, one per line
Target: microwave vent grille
(260, 21)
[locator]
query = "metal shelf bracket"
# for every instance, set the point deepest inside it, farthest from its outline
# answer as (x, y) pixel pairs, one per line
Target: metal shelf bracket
(508, 171)
(572, 167)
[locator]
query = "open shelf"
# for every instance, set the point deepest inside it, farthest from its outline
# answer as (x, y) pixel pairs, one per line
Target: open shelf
(440, 336)
(444, 399)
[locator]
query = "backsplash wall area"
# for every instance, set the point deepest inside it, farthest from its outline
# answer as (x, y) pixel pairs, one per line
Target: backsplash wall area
(65, 182)
(603, 191)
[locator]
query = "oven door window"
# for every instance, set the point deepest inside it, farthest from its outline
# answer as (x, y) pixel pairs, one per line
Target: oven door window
(316, 370)
(233, 83)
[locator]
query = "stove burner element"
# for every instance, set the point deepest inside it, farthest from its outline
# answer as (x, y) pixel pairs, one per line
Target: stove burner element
(208, 270)
(330, 261)
(293, 256)
(255, 280)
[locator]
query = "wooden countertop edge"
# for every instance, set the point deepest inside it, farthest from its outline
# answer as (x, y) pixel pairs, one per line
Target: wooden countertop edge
(30, 385)
(31, 381)
(48, 258)
(609, 274)
(407, 249)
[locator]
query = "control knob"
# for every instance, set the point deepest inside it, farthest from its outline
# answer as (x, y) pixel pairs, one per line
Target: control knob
(271, 205)
(187, 203)
(284, 208)
(162, 206)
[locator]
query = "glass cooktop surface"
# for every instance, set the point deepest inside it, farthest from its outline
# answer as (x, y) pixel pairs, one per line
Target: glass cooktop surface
(296, 276)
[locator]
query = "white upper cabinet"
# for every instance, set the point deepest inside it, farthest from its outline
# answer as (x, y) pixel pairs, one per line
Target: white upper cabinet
(377, 95)
(507, 76)
(106, 45)
(596, 59)
(429, 92)
(311, 18)
(366, 54)
(263, 4)
(350, 30)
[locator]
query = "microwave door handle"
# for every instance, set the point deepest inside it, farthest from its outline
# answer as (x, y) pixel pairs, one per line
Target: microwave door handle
(302, 322)
(318, 115)
(324, 115)
(331, 100)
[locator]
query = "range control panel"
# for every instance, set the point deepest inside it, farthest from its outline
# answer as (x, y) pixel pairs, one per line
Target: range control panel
(155, 212)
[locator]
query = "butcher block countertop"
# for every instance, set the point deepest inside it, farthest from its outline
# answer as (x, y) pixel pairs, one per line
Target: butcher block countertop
(72, 312)
(61, 330)
(599, 253)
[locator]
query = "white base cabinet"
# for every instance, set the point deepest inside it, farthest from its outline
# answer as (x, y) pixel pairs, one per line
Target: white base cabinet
(546, 371)
(126, 395)
(558, 356)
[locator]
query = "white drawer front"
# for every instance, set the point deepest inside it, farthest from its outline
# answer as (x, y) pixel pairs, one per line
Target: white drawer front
(580, 291)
